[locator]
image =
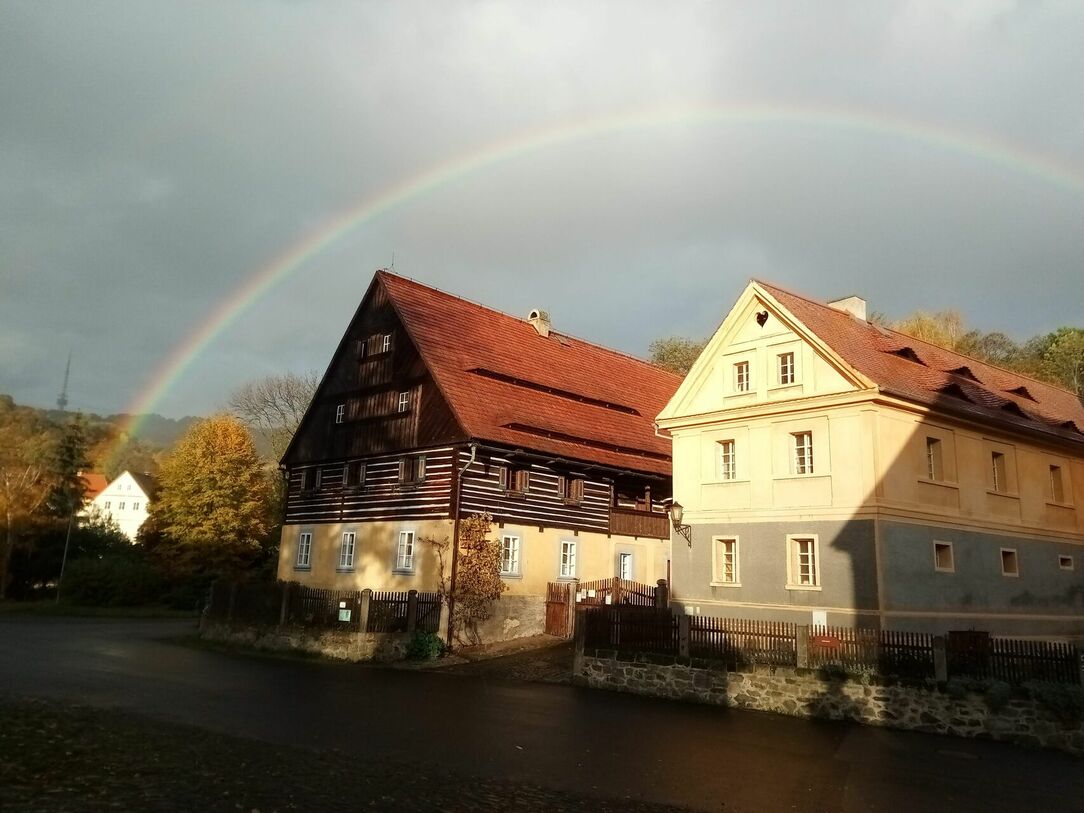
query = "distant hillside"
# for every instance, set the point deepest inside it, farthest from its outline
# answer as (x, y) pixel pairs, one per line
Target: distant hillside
(156, 430)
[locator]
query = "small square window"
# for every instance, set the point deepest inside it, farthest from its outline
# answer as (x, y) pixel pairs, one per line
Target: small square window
(404, 402)
(943, 559)
(515, 480)
(354, 474)
(999, 471)
(803, 452)
(570, 489)
(412, 469)
(1010, 565)
(1065, 562)
(935, 467)
(340, 413)
(741, 377)
(385, 343)
(785, 367)
(727, 460)
(1057, 485)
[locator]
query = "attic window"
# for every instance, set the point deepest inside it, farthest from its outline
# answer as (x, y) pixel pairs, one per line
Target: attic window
(907, 353)
(965, 372)
(1013, 408)
(1022, 392)
(954, 391)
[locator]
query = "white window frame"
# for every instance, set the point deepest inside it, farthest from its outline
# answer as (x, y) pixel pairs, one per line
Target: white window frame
(108, 505)
(794, 565)
(718, 572)
(567, 565)
(405, 551)
(1016, 561)
(340, 413)
(303, 560)
(952, 557)
(935, 459)
(743, 379)
(346, 550)
(135, 506)
(622, 557)
(513, 545)
(802, 453)
(404, 402)
(786, 371)
(120, 506)
(995, 456)
(385, 343)
(1066, 562)
(728, 460)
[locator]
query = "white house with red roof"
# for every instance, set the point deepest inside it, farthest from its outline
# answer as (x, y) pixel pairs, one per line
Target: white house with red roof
(125, 500)
(833, 471)
(434, 409)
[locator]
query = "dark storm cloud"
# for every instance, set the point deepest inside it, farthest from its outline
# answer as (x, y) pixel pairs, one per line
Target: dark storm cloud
(153, 156)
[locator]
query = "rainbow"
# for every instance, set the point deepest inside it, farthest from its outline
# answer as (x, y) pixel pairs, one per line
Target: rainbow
(1003, 154)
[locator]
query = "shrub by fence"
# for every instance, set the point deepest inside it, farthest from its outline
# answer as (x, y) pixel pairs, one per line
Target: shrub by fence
(264, 604)
(743, 642)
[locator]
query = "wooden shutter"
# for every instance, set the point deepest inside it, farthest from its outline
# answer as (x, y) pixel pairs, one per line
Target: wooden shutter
(404, 469)
(420, 473)
(503, 477)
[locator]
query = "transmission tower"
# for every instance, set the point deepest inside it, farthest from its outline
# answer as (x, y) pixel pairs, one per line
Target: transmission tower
(62, 399)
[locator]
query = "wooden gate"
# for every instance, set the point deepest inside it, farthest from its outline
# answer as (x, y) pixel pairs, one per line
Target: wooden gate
(560, 609)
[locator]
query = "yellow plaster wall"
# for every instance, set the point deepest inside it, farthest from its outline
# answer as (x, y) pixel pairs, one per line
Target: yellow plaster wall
(540, 552)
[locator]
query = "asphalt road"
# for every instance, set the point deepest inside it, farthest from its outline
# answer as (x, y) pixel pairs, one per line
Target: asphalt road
(562, 737)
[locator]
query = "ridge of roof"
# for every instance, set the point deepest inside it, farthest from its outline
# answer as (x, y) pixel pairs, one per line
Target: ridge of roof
(899, 333)
(383, 272)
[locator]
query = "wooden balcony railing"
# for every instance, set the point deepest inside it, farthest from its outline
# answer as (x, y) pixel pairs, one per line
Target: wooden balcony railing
(626, 522)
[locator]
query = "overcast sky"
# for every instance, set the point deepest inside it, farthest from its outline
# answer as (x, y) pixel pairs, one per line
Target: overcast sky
(153, 156)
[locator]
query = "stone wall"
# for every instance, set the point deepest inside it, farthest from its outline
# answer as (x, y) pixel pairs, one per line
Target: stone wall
(514, 617)
(338, 644)
(931, 708)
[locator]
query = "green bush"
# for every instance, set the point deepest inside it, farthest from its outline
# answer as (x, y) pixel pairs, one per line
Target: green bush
(115, 581)
(425, 646)
(1063, 701)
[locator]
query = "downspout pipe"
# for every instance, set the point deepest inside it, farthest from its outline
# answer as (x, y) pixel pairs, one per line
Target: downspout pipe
(455, 534)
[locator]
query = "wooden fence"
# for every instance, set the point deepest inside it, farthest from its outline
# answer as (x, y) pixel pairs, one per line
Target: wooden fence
(740, 642)
(262, 604)
(616, 591)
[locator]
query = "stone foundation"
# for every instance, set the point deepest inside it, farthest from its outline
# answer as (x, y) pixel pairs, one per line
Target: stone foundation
(346, 646)
(930, 708)
(514, 617)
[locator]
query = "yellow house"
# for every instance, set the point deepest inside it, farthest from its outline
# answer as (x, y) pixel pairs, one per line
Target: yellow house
(434, 409)
(833, 471)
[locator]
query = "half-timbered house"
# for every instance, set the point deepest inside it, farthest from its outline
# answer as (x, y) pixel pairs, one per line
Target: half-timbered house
(434, 409)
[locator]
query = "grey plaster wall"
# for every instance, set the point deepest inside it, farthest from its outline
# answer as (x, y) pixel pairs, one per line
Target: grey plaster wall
(847, 569)
(977, 587)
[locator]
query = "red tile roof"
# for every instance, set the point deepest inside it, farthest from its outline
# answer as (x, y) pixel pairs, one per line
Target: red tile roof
(560, 395)
(924, 373)
(94, 483)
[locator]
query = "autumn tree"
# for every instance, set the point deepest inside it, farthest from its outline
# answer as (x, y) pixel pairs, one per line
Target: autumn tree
(24, 486)
(214, 500)
(675, 353)
(478, 581)
(1063, 358)
(275, 405)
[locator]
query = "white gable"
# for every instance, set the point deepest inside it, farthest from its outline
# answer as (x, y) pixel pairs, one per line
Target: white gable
(761, 354)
